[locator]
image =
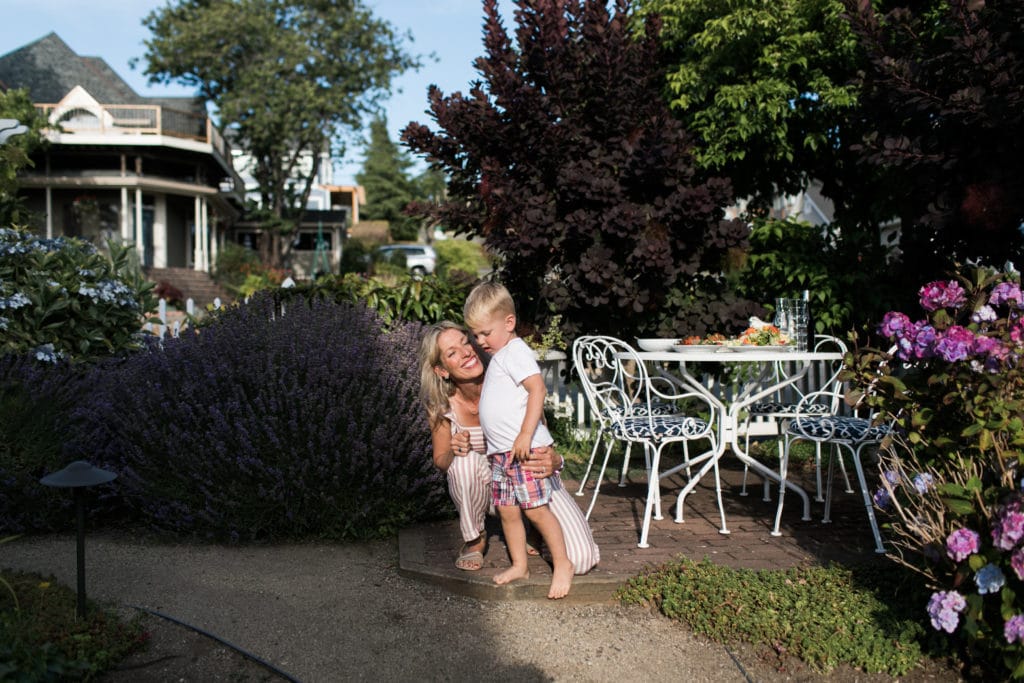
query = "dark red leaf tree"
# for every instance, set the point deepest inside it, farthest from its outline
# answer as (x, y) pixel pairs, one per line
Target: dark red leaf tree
(567, 161)
(943, 100)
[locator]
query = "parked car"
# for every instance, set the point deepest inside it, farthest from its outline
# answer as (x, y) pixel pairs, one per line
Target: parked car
(420, 259)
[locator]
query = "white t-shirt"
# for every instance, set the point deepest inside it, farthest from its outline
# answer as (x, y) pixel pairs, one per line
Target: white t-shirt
(503, 398)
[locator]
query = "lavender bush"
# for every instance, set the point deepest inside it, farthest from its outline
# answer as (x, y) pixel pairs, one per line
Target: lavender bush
(35, 401)
(267, 426)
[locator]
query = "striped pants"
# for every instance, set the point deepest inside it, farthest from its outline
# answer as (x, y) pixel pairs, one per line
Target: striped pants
(469, 484)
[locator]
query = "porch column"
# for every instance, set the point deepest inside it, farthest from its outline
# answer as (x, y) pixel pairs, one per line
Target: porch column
(197, 248)
(206, 235)
(139, 234)
(49, 212)
(160, 232)
(126, 217)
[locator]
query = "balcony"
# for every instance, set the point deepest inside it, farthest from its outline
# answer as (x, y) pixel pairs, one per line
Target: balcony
(108, 120)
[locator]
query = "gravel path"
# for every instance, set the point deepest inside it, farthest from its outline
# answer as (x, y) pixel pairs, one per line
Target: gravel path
(327, 612)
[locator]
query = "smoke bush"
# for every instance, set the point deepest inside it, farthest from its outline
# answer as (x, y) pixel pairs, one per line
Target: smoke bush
(262, 425)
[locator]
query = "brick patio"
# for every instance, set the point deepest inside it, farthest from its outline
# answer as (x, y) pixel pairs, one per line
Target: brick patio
(428, 551)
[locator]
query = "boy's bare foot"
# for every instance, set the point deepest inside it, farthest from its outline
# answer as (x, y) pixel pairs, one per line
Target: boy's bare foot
(511, 574)
(561, 580)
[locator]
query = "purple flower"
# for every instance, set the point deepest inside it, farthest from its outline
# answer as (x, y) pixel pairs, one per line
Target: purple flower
(1017, 563)
(1013, 629)
(882, 498)
(962, 543)
(1006, 293)
(990, 579)
(1008, 528)
(955, 344)
(936, 295)
(944, 607)
(923, 482)
(924, 341)
(895, 324)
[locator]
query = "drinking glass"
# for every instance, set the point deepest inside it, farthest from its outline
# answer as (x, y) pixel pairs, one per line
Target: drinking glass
(791, 317)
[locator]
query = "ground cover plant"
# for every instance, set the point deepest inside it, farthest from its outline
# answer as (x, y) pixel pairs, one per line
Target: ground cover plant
(826, 616)
(268, 423)
(41, 638)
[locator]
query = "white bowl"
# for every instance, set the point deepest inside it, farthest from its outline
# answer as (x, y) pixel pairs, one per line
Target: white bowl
(656, 344)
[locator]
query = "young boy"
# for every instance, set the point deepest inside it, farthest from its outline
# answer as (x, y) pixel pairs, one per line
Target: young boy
(511, 408)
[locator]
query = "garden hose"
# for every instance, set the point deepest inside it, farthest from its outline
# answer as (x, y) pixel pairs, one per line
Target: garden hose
(248, 655)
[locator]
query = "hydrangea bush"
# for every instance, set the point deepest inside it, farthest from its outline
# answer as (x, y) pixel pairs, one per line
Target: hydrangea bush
(267, 426)
(62, 298)
(952, 477)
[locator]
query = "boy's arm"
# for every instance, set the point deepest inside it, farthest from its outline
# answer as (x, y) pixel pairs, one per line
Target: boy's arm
(534, 385)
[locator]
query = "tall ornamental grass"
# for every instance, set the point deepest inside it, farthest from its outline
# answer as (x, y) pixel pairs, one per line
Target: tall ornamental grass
(265, 425)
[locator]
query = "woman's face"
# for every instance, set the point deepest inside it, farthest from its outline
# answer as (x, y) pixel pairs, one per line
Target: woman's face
(458, 356)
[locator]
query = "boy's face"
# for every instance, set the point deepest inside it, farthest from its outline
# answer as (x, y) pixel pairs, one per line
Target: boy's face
(495, 331)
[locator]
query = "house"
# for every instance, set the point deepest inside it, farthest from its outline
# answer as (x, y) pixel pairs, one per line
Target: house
(154, 171)
(332, 211)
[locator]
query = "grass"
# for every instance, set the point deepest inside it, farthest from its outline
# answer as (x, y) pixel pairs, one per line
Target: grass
(825, 616)
(41, 637)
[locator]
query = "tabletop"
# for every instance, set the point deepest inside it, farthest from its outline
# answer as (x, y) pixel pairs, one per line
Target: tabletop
(732, 354)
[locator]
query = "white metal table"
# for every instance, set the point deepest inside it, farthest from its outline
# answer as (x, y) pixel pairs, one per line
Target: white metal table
(760, 384)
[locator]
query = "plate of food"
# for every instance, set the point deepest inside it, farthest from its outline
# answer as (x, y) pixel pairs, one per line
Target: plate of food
(695, 343)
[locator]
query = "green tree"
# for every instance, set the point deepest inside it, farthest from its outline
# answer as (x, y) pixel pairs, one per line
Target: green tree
(567, 161)
(389, 186)
(289, 77)
(14, 153)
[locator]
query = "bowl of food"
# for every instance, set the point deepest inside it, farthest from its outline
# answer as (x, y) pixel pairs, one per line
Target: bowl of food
(656, 344)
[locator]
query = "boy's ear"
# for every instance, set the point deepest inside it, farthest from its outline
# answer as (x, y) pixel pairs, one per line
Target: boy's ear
(510, 323)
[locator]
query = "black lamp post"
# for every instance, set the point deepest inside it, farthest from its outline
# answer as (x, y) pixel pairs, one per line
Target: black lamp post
(77, 476)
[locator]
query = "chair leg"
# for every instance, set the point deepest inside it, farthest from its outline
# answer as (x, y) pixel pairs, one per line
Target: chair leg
(879, 548)
(746, 468)
(600, 477)
(653, 498)
(590, 463)
(767, 495)
(783, 474)
(817, 472)
(830, 477)
(846, 477)
(625, 465)
(654, 474)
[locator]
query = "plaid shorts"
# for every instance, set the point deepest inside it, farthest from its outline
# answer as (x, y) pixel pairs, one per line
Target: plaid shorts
(512, 485)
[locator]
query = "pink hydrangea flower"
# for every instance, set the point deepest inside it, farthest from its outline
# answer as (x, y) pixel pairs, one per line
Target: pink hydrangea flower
(962, 543)
(955, 344)
(1008, 528)
(1006, 293)
(1017, 562)
(1013, 629)
(944, 608)
(938, 294)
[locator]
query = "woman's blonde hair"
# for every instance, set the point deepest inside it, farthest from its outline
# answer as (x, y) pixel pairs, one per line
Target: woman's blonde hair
(435, 390)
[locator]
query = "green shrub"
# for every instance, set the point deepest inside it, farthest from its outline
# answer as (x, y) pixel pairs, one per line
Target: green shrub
(62, 298)
(396, 299)
(356, 257)
(824, 616)
(41, 639)
(460, 255)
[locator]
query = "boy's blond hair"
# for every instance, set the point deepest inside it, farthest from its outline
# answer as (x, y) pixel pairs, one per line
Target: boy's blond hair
(486, 300)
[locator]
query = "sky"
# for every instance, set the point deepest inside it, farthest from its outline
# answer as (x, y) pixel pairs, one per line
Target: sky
(450, 30)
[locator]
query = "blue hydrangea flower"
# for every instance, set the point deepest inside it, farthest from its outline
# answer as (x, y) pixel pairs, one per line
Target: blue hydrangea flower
(990, 579)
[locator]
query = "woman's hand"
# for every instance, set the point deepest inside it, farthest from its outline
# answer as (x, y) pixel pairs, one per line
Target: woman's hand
(460, 444)
(542, 462)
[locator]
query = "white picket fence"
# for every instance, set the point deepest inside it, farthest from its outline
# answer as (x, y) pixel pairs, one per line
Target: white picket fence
(171, 325)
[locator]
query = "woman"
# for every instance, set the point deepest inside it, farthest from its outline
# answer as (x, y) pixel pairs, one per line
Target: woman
(451, 376)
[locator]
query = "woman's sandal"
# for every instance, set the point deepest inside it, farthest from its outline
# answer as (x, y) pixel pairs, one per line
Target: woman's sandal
(469, 561)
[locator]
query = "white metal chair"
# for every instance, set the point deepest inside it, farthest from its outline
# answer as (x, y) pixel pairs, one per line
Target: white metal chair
(850, 432)
(619, 387)
(785, 406)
